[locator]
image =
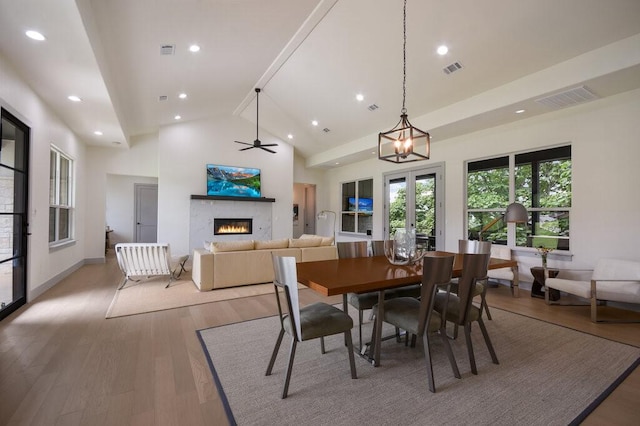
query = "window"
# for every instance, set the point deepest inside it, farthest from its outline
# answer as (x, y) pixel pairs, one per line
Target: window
(539, 180)
(357, 207)
(60, 197)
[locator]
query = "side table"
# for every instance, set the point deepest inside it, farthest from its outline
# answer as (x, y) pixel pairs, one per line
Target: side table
(538, 283)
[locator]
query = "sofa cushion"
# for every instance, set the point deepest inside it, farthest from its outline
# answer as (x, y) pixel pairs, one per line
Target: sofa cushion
(326, 241)
(271, 244)
(305, 242)
(223, 246)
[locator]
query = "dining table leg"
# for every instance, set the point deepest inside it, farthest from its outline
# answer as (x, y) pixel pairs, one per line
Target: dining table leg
(345, 308)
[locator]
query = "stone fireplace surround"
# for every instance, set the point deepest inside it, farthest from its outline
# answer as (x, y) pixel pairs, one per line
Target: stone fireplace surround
(204, 209)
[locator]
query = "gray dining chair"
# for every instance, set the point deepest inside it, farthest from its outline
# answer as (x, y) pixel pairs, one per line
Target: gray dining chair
(418, 318)
(460, 310)
(478, 247)
(360, 301)
(310, 322)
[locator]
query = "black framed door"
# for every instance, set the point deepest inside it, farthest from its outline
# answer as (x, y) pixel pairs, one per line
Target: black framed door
(14, 177)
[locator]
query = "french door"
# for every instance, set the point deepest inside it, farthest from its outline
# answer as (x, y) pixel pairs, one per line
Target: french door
(414, 199)
(14, 173)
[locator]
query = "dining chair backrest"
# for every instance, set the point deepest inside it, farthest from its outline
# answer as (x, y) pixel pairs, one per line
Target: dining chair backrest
(351, 249)
(474, 268)
(437, 271)
(377, 248)
(286, 277)
(474, 247)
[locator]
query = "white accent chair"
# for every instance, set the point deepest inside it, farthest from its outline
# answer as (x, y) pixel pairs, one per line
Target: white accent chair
(507, 274)
(144, 260)
(613, 280)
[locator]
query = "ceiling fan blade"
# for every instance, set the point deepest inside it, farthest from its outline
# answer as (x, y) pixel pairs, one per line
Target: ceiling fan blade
(267, 149)
(244, 149)
(269, 144)
(244, 143)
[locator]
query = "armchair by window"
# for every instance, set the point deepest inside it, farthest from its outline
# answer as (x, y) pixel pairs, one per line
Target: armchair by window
(613, 280)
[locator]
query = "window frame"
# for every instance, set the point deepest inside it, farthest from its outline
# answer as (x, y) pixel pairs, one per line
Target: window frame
(58, 190)
(515, 160)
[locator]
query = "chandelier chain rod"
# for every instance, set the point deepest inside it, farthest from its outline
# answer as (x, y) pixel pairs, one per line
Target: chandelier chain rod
(404, 57)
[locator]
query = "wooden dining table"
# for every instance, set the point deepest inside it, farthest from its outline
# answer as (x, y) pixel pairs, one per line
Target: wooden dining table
(366, 274)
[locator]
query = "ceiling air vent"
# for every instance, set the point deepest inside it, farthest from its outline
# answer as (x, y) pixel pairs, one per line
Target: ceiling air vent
(167, 49)
(373, 107)
(163, 98)
(568, 98)
(452, 68)
(326, 130)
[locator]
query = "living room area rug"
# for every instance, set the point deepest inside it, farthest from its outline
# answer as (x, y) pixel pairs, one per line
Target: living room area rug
(150, 295)
(548, 375)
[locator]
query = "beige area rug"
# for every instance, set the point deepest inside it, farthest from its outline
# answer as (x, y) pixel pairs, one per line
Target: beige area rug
(547, 376)
(150, 295)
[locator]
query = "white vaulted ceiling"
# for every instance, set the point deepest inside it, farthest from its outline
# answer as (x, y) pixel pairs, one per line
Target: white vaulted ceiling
(311, 57)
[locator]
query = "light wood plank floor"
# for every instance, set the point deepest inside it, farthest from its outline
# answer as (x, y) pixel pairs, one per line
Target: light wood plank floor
(63, 363)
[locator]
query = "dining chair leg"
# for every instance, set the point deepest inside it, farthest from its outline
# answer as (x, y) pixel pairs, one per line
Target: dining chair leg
(487, 340)
(484, 305)
(292, 354)
(472, 359)
(360, 327)
(427, 357)
(352, 361)
(449, 351)
(322, 346)
(275, 352)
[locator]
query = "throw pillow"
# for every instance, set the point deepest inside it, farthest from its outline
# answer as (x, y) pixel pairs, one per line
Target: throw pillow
(222, 246)
(271, 244)
(305, 242)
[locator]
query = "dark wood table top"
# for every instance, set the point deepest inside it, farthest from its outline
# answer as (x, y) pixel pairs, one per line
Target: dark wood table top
(363, 274)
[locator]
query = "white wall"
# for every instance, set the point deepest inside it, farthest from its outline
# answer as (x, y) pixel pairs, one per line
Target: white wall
(605, 152)
(46, 129)
(120, 206)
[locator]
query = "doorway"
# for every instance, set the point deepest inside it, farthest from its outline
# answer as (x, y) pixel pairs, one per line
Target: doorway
(14, 177)
(415, 199)
(146, 213)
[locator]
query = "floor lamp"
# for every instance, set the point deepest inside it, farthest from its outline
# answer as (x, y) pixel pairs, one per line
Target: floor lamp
(324, 215)
(515, 213)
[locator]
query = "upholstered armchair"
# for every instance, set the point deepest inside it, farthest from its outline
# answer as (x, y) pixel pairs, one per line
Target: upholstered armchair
(506, 274)
(612, 280)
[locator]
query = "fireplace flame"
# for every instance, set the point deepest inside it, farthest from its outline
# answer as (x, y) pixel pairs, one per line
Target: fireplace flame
(233, 229)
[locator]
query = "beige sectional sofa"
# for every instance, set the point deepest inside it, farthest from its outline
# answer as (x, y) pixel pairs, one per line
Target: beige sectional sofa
(236, 263)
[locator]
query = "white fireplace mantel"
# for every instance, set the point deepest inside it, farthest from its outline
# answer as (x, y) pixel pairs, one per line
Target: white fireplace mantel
(204, 209)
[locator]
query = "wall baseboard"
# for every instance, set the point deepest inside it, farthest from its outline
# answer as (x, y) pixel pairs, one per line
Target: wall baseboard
(50, 283)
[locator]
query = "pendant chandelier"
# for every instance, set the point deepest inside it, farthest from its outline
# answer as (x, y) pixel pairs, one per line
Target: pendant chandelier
(404, 143)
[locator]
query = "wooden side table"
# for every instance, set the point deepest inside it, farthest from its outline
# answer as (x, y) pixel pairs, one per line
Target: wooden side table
(538, 283)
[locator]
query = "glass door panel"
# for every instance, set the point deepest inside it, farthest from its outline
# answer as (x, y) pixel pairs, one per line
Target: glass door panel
(397, 202)
(425, 210)
(14, 150)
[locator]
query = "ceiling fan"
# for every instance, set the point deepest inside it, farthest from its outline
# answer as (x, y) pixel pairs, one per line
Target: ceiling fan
(257, 143)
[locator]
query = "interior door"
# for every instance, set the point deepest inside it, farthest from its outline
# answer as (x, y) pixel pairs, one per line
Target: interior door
(414, 199)
(146, 202)
(14, 174)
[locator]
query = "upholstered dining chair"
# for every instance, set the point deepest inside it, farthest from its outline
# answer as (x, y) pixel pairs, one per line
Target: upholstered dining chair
(360, 301)
(460, 310)
(417, 317)
(310, 322)
(480, 289)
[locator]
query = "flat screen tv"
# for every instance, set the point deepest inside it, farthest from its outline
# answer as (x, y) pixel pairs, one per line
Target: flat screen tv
(230, 181)
(364, 204)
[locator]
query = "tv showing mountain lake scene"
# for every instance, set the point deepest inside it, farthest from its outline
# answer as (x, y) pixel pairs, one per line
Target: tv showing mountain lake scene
(230, 181)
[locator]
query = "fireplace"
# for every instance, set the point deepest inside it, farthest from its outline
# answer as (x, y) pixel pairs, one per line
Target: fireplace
(232, 226)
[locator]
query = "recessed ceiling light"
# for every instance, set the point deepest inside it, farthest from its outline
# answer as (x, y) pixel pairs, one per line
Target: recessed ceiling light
(442, 50)
(520, 111)
(290, 136)
(34, 35)
(194, 48)
(182, 96)
(74, 98)
(360, 97)
(314, 122)
(177, 117)
(337, 163)
(97, 133)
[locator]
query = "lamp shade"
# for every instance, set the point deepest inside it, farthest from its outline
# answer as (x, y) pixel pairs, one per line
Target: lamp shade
(516, 213)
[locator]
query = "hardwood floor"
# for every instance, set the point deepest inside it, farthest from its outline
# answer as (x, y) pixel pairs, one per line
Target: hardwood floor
(63, 363)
